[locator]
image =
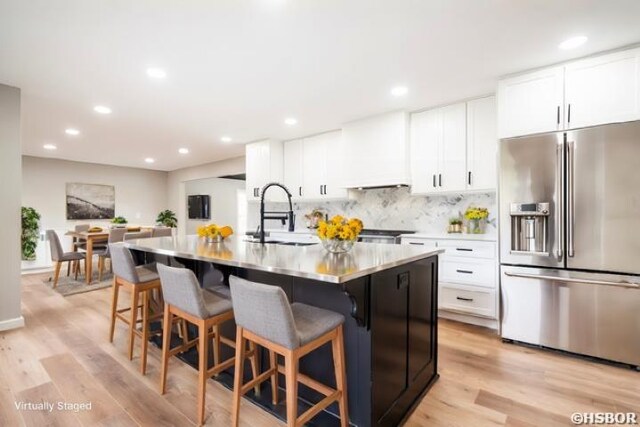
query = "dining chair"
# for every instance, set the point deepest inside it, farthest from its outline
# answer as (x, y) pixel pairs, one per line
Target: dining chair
(58, 256)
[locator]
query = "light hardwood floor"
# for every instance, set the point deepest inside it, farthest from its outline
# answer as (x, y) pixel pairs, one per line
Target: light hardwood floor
(63, 355)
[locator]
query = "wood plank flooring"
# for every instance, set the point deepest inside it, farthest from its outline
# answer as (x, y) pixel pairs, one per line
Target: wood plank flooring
(63, 355)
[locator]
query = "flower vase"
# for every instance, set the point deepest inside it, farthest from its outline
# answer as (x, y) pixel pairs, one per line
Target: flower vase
(476, 226)
(216, 239)
(337, 246)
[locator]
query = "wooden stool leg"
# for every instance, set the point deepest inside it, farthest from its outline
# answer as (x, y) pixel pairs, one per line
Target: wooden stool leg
(273, 364)
(184, 331)
(203, 357)
(76, 266)
(216, 345)
(237, 381)
(133, 321)
(114, 308)
(145, 332)
(56, 275)
(291, 377)
(341, 382)
(100, 268)
(255, 369)
(68, 269)
(166, 342)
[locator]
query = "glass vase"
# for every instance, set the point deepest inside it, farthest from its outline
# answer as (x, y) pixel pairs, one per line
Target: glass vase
(337, 246)
(476, 226)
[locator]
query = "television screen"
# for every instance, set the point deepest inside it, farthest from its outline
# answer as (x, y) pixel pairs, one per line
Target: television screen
(198, 206)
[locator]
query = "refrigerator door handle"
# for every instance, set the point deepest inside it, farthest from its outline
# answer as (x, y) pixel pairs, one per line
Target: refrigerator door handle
(560, 200)
(570, 199)
(573, 280)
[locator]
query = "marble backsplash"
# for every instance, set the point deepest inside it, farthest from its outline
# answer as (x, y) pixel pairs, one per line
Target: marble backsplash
(390, 208)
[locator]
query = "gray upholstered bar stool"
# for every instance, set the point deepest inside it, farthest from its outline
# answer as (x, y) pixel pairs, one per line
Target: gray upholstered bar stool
(185, 299)
(264, 316)
(139, 281)
(115, 235)
(58, 256)
(161, 232)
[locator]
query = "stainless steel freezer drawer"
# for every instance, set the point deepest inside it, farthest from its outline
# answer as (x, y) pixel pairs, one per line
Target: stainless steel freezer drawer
(592, 314)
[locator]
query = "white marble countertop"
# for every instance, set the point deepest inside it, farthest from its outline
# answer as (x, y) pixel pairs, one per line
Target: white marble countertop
(312, 262)
(453, 236)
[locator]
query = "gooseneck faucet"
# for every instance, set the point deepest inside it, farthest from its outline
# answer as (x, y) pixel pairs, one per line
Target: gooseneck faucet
(275, 215)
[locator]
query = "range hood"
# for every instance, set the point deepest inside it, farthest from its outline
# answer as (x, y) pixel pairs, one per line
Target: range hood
(378, 187)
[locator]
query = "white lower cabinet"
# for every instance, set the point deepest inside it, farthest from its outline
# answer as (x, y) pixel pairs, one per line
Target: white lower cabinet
(468, 278)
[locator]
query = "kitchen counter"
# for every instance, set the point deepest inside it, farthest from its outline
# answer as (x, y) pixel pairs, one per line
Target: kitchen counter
(388, 295)
(311, 262)
(453, 236)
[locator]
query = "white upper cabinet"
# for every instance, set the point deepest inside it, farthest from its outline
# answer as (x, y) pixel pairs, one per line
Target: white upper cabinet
(377, 149)
(453, 168)
(313, 168)
(293, 174)
(482, 144)
(426, 141)
(531, 103)
(604, 89)
(264, 165)
(587, 92)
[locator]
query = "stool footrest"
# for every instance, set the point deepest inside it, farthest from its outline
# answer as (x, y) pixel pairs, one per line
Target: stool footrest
(255, 381)
(315, 409)
(310, 382)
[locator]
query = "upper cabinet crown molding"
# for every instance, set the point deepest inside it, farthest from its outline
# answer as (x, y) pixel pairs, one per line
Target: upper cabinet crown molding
(586, 92)
(377, 151)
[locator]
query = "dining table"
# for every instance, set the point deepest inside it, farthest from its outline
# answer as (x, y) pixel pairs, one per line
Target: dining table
(91, 238)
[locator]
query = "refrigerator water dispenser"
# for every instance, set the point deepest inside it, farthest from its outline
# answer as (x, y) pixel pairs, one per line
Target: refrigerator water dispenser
(529, 228)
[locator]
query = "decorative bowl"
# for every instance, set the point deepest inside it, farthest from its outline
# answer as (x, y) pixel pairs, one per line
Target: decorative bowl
(337, 246)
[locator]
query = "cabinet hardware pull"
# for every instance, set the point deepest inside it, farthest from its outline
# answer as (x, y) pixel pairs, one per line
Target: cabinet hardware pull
(465, 271)
(321, 189)
(558, 116)
(325, 189)
(300, 191)
(440, 179)
(469, 179)
(569, 114)
(464, 299)
(415, 243)
(434, 180)
(464, 249)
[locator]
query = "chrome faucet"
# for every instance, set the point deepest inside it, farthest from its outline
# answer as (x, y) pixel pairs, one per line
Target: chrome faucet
(275, 215)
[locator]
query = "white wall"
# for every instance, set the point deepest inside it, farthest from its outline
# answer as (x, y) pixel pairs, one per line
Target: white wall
(225, 209)
(10, 177)
(176, 183)
(140, 193)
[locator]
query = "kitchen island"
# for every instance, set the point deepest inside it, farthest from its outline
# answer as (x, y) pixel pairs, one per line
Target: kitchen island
(387, 293)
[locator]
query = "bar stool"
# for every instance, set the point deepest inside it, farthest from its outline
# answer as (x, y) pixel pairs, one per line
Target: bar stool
(264, 316)
(116, 235)
(139, 281)
(207, 310)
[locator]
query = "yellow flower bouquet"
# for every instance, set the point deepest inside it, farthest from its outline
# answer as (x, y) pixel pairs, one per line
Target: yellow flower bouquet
(477, 219)
(339, 234)
(214, 232)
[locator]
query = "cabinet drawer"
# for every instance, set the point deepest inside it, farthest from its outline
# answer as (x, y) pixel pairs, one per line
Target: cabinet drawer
(468, 300)
(480, 272)
(468, 248)
(418, 241)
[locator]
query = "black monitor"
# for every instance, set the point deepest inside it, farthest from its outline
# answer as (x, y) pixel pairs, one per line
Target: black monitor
(198, 206)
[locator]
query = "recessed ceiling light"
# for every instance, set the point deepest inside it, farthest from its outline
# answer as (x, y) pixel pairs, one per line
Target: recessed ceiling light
(149, 160)
(72, 131)
(226, 139)
(102, 109)
(156, 73)
(399, 91)
(49, 147)
(290, 121)
(573, 42)
(183, 151)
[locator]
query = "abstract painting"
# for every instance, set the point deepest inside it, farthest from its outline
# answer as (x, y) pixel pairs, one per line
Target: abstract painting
(90, 201)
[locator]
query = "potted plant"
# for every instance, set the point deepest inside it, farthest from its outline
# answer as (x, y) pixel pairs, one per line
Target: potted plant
(455, 225)
(119, 221)
(339, 234)
(167, 218)
(30, 233)
(477, 219)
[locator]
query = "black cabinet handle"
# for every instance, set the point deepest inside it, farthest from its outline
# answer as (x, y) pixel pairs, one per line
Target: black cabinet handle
(469, 178)
(558, 115)
(464, 299)
(324, 189)
(440, 179)
(464, 249)
(465, 271)
(300, 191)
(415, 243)
(434, 180)
(321, 189)
(569, 114)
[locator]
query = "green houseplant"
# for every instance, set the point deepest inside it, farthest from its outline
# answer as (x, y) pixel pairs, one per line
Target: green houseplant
(167, 218)
(119, 220)
(30, 231)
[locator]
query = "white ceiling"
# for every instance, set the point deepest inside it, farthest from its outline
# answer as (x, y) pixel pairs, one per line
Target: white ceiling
(239, 67)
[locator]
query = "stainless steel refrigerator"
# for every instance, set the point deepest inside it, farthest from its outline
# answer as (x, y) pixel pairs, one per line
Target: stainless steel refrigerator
(570, 241)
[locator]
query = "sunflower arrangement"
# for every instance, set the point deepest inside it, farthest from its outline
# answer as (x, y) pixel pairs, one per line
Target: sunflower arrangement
(214, 231)
(473, 212)
(340, 228)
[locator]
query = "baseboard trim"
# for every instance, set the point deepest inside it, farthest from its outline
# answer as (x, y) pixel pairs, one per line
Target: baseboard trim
(473, 320)
(8, 324)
